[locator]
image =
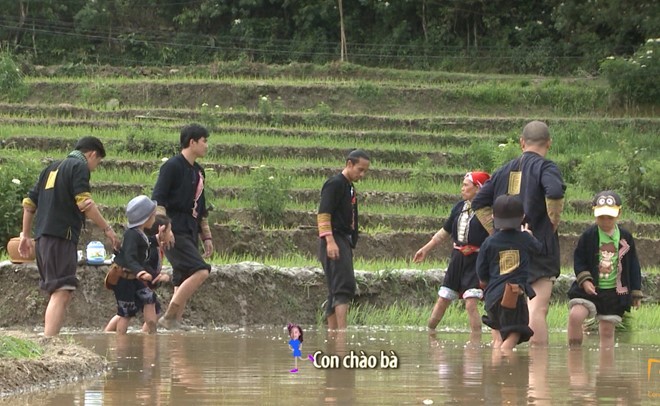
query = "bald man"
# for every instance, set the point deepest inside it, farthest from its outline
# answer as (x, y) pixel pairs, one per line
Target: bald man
(541, 188)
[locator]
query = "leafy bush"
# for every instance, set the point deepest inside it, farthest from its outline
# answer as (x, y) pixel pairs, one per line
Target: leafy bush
(272, 111)
(480, 156)
(634, 174)
(12, 86)
(635, 80)
(484, 157)
(269, 194)
(16, 178)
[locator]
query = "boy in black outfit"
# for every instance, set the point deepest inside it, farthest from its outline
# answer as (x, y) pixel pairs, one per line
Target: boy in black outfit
(502, 266)
(608, 274)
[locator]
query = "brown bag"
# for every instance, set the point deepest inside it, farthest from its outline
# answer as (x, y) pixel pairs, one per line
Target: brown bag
(112, 277)
(510, 296)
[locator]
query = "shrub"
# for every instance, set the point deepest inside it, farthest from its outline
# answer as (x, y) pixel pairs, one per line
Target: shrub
(16, 179)
(271, 111)
(634, 174)
(12, 86)
(269, 194)
(635, 80)
(480, 156)
(506, 152)
(210, 117)
(604, 170)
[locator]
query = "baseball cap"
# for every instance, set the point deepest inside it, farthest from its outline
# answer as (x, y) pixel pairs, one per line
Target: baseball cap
(139, 209)
(508, 212)
(607, 203)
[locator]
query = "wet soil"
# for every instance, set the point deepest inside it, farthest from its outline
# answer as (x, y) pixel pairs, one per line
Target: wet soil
(62, 361)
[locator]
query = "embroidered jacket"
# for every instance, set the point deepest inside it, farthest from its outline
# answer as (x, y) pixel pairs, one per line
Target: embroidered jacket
(585, 264)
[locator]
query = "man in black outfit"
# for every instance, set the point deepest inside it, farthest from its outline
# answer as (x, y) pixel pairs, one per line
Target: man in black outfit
(61, 200)
(338, 232)
(539, 184)
(179, 192)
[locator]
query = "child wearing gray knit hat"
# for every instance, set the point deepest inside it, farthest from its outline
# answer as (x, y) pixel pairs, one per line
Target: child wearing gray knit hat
(131, 267)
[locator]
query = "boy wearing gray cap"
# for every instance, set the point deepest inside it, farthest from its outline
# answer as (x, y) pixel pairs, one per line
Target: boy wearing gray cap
(502, 266)
(608, 275)
(132, 290)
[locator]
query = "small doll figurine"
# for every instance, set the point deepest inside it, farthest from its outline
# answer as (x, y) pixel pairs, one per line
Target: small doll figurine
(295, 343)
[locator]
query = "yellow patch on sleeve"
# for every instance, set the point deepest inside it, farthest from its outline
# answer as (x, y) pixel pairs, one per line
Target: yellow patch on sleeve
(81, 197)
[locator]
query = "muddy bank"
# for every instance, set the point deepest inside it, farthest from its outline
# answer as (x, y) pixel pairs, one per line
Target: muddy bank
(236, 294)
(62, 361)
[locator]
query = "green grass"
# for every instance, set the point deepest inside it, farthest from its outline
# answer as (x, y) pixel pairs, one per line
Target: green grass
(646, 318)
(297, 260)
(564, 97)
(17, 348)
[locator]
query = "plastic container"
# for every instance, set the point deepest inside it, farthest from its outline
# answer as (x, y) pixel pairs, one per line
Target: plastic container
(95, 253)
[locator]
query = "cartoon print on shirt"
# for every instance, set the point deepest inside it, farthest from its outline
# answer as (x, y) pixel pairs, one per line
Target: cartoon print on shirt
(607, 252)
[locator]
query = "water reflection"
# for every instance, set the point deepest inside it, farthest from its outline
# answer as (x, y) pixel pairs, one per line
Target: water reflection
(251, 366)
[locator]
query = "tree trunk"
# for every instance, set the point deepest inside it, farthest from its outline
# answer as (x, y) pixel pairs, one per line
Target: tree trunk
(342, 34)
(21, 21)
(424, 28)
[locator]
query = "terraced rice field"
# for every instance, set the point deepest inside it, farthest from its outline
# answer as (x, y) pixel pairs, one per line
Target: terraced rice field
(422, 131)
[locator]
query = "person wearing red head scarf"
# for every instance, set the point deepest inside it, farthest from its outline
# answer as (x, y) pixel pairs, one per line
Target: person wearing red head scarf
(467, 234)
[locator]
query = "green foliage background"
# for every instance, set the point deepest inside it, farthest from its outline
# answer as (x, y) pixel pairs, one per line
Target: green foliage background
(17, 176)
(531, 36)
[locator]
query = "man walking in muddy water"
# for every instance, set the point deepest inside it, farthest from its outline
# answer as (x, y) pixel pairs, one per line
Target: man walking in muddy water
(179, 192)
(541, 188)
(338, 233)
(61, 200)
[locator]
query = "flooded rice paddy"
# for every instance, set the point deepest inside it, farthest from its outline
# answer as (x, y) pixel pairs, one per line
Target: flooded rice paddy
(370, 366)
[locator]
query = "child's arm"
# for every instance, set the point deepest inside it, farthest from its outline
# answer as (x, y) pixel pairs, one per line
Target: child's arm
(535, 246)
(581, 266)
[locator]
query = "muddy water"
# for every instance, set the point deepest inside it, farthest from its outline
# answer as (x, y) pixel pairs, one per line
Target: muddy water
(252, 366)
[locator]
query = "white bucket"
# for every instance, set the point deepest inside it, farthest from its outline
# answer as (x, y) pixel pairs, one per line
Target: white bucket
(95, 253)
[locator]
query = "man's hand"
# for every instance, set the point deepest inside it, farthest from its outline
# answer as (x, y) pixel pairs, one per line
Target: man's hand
(208, 248)
(25, 247)
(332, 250)
(112, 237)
(165, 237)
